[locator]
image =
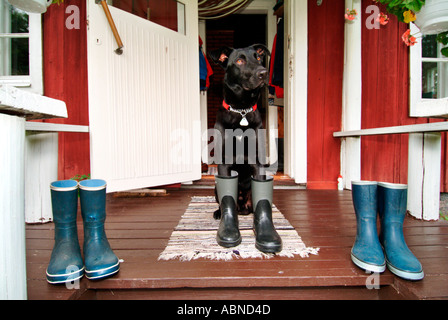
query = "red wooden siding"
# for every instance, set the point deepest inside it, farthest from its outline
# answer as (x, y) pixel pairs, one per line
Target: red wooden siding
(163, 12)
(385, 102)
(325, 75)
(65, 78)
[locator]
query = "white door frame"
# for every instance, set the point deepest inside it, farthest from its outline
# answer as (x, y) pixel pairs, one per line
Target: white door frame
(296, 89)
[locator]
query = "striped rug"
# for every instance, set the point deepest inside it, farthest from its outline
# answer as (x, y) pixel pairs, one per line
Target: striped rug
(195, 236)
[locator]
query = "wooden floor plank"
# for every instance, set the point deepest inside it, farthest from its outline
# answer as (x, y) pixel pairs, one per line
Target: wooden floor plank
(139, 229)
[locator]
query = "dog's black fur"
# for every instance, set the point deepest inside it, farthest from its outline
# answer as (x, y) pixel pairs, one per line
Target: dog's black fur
(245, 77)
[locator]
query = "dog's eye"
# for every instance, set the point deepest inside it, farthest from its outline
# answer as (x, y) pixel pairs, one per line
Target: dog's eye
(256, 56)
(240, 61)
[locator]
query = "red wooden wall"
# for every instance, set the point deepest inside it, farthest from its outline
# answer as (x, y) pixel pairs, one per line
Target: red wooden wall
(385, 102)
(325, 75)
(65, 78)
(163, 12)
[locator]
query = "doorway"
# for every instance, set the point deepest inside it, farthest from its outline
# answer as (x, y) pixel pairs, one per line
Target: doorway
(239, 30)
(235, 31)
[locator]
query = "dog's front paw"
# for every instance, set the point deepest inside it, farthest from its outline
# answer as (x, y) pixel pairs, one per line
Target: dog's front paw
(245, 209)
(217, 214)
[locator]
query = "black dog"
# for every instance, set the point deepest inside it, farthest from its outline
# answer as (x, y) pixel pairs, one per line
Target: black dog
(245, 77)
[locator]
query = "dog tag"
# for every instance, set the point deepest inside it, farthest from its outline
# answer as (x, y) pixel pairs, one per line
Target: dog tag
(244, 122)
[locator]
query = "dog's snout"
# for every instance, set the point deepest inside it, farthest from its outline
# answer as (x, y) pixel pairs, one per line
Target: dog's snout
(262, 74)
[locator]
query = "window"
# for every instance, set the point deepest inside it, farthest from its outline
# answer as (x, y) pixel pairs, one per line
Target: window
(429, 78)
(20, 48)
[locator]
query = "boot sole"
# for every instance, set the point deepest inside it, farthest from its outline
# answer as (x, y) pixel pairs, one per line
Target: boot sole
(268, 249)
(406, 274)
(102, 273)
(64, 278)
(228, 244)
(368, 266)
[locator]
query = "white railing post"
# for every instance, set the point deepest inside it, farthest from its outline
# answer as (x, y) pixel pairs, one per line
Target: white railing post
(15, 107)
(425, 151)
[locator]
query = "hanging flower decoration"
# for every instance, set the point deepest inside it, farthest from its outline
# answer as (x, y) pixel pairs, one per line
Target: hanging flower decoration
(405, 11)
(383, 19)
(409, 16)
(408, 39)
(350, 14)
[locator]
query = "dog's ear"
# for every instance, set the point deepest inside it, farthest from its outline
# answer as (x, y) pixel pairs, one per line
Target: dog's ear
(261, 49)
(221, 56)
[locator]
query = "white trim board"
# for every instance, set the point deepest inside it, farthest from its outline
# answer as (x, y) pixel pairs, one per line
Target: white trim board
(413, 128)
(54, 127)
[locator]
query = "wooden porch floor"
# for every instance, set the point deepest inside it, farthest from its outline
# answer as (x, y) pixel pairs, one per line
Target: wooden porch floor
(139, 228)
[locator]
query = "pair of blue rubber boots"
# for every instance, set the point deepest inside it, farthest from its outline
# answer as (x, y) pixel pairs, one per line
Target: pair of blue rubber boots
(372, 252)
(66, 263)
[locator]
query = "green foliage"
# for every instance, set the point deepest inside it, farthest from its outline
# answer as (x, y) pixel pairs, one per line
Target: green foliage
(80, 177)
(398, 7)
(19, 46)
(443, 39)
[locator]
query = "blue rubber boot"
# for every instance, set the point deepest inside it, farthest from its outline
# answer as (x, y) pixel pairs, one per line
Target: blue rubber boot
(66, 263)
(392, 201)
(366, 252)
(99, 259)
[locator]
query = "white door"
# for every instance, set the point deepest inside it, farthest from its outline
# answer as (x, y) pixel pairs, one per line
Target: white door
(144, 105)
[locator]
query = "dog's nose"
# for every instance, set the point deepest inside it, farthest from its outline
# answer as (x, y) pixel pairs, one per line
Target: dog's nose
(262, 74)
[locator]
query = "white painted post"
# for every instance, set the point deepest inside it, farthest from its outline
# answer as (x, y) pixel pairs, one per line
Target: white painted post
(424, 156)
(15, 107)
(351, 104)
(12, 200)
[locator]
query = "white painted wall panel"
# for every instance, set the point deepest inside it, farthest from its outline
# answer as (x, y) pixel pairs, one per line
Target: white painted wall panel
(12, 218)
(41, 169)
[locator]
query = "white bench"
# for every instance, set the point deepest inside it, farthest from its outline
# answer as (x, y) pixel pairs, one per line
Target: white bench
(424, 160)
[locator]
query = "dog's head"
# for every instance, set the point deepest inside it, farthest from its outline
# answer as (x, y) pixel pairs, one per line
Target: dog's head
(244, 67)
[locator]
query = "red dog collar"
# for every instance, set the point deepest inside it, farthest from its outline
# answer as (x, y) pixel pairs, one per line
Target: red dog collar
(227, 106)
(243, 113)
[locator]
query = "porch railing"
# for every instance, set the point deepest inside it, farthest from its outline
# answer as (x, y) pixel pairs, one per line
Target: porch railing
(424, 163)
